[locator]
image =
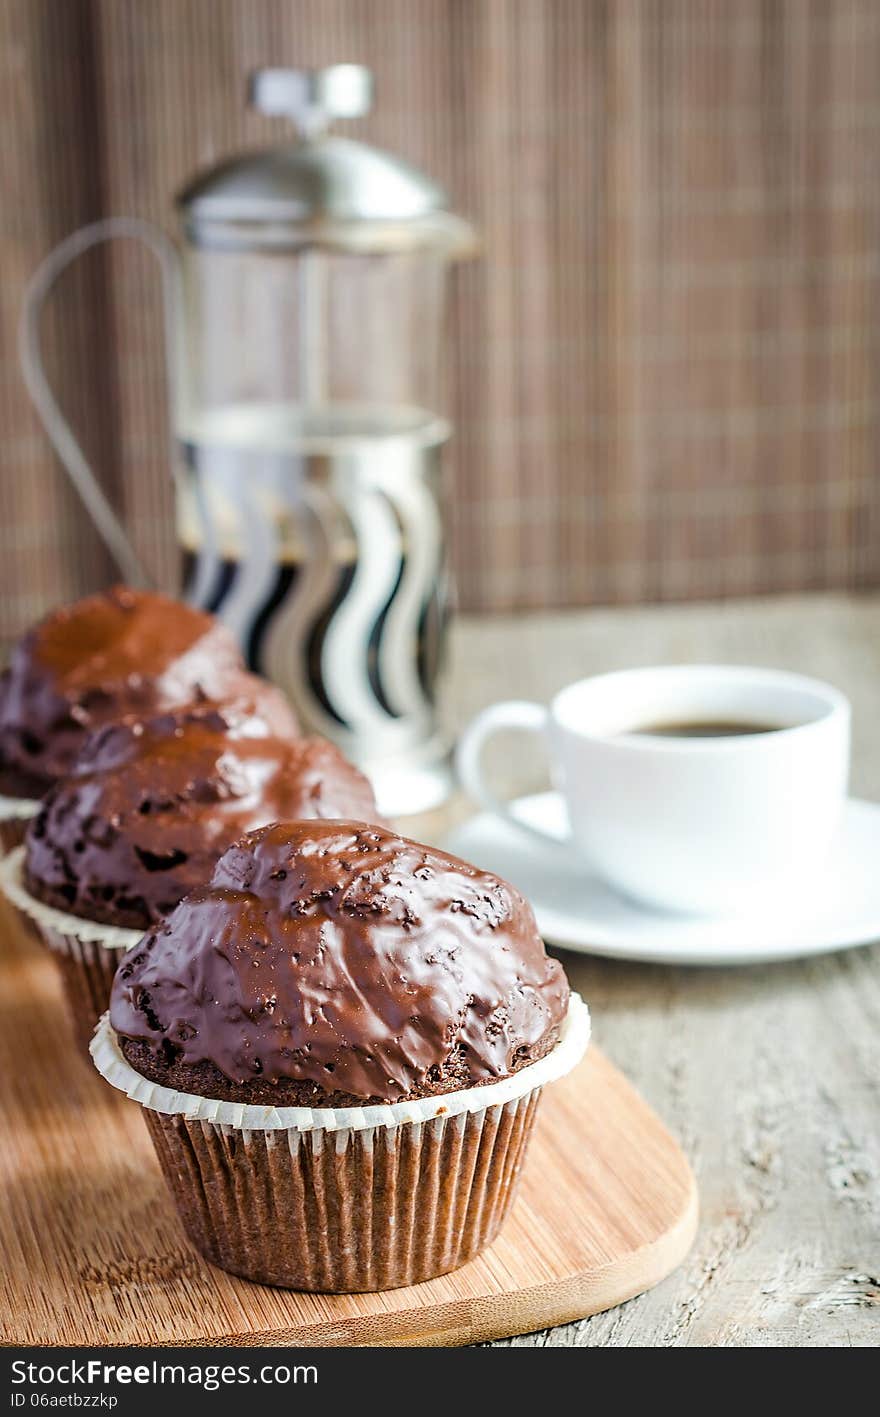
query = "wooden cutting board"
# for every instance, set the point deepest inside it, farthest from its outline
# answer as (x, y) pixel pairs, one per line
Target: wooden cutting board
(91, 1250)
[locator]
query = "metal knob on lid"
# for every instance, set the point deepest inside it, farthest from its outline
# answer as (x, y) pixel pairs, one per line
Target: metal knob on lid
(313, 98)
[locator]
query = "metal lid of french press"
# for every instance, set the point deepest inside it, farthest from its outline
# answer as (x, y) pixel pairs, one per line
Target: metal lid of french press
(320, 189)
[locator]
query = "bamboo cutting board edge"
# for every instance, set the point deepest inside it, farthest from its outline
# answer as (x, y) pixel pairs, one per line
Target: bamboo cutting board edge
(495, 1316)
(607, 1208)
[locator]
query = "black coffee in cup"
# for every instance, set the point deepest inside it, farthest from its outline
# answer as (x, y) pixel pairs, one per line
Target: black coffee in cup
(700, 728)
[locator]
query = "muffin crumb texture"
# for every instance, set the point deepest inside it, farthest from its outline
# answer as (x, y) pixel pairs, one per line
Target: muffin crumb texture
(335, 964)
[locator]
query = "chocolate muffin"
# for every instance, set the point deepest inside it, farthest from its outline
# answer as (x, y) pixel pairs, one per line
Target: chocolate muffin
(336, 977)
(120, 652)
(330, 964)
(151, 804)
(143, 817)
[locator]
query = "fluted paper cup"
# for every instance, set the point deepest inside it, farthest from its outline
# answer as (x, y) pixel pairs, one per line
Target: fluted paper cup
(345, 1199)
(87, 952)
(15, 816)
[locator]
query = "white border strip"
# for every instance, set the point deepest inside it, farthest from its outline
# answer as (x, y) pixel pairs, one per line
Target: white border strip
(113, 937)
(18, 807)
(111, 1064)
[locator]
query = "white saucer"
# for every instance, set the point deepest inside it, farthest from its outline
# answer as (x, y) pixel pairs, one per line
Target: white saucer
(579, 912)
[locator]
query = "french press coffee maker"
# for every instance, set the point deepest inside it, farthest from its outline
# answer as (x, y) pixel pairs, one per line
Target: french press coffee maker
(305, 350)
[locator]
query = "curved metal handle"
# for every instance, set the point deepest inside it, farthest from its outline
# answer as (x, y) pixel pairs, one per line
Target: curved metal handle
(57, 428)
(517, 713)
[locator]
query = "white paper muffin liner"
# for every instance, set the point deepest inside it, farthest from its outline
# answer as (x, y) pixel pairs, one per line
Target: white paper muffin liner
(115, 937)
(18, 806)
(86, 952)
(345, 1199)
(112, 1065)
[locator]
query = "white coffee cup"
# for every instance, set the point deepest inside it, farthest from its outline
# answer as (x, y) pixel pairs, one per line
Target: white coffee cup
(702, 825)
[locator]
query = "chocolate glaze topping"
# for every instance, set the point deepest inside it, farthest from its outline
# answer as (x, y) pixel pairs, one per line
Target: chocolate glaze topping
(124, 651)
(151, 804)
(331, 963)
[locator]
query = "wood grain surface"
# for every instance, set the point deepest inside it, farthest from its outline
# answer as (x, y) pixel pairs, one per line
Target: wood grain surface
(769, 1076)
(665, 365)
(91, 1250)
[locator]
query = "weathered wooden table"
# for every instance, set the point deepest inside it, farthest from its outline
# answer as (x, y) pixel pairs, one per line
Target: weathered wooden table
(769, 1076)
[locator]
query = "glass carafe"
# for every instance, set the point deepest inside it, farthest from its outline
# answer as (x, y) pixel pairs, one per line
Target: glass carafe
(305, 361)
(309, 415)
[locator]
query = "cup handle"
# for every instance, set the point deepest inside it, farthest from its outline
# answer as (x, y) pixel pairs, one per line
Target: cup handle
(516, 713)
